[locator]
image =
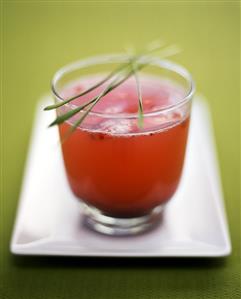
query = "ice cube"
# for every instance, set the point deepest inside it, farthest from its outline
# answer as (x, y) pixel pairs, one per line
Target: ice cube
(118, 126)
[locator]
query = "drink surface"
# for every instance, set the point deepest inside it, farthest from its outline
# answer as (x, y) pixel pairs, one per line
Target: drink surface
(115, 165)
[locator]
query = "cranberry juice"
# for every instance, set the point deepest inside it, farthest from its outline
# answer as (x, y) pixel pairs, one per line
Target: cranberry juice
(117, 166)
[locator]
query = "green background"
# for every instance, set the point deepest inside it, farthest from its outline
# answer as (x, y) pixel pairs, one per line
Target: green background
(38, 37)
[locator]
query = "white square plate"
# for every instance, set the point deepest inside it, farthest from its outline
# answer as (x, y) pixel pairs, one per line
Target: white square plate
(49, 217)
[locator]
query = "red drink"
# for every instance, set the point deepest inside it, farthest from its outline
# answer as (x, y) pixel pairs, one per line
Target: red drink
(118, 167)
(122, 172)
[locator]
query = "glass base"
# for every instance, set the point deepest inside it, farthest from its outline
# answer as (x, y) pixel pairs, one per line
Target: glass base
(97, 221)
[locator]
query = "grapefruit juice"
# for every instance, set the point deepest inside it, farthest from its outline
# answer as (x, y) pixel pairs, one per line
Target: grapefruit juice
(115, 164)
(122, 169)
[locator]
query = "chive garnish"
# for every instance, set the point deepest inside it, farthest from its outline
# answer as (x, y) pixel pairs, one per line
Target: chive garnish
(116, 77)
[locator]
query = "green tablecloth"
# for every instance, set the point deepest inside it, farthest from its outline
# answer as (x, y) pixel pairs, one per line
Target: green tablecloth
(39, 37)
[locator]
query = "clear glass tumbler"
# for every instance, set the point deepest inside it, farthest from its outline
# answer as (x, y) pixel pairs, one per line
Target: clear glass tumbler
(124, 172)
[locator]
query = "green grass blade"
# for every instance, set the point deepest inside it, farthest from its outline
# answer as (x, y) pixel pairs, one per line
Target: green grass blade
(110, 87)
(62, 118)
(148, 51)
(140, 101)
(121, 77)
(54, 106)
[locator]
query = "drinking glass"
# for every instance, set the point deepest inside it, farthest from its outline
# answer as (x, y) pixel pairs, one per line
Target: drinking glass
(123, 174)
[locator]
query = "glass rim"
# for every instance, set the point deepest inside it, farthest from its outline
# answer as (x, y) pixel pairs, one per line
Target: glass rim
(120, 58)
